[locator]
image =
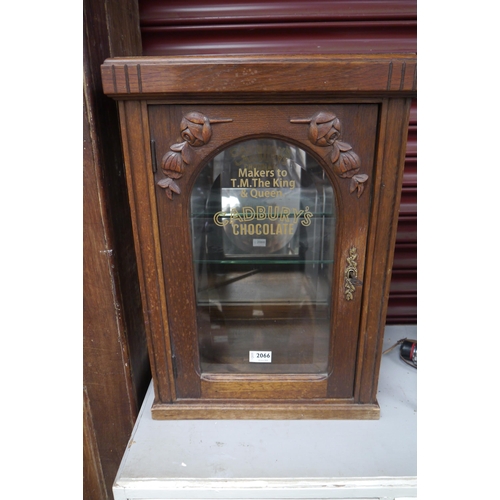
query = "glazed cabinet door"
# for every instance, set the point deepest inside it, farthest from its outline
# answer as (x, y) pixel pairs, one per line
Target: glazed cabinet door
(263, 215)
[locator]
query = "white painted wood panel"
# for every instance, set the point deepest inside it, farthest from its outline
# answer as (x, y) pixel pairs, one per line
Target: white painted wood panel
(281, 459)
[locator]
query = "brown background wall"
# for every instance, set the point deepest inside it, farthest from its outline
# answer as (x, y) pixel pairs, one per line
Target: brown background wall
(116, 370)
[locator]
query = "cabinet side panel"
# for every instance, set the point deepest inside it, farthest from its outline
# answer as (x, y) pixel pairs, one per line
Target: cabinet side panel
(382, 239)
(135, 133)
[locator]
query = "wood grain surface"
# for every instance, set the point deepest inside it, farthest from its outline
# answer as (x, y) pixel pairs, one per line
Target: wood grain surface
(371, 97)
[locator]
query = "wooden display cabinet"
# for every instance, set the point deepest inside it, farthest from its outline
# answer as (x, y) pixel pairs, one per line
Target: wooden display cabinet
(264, 194)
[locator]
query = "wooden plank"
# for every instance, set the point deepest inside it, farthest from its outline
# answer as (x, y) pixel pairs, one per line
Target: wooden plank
(94, 487)
(263, 389)
(260, 411)
(106, 378)
(383, 228)
(134, 123)
(116, 368)
(337, 74)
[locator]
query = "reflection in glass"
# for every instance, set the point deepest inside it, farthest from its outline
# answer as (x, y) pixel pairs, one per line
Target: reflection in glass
(263, 230)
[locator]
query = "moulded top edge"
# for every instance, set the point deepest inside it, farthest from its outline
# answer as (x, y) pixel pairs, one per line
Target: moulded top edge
(260, 59)
(125, 77)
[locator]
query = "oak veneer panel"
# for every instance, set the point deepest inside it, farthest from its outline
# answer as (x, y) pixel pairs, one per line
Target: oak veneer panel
(255, 389)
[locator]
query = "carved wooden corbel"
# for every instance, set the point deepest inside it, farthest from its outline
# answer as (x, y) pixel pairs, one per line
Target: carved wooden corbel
(196, 132)
(325, 131)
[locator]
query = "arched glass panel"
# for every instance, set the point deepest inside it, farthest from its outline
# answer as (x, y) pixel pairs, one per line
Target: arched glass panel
(263, 219)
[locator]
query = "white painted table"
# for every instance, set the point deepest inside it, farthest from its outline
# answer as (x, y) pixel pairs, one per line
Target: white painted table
(281, 459)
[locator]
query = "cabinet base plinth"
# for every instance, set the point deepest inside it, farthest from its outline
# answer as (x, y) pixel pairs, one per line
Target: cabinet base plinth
(276, 411)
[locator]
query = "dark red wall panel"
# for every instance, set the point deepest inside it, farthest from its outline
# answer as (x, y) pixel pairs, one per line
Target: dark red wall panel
(278, 38)
(402, 308)
(185, 12)
(319, 26)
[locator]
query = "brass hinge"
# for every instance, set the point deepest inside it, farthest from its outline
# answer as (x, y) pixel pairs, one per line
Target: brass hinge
(153, 155)
(174, 365)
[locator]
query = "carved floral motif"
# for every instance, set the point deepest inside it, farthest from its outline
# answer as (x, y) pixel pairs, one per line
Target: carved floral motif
(325, 131)
(196, 131)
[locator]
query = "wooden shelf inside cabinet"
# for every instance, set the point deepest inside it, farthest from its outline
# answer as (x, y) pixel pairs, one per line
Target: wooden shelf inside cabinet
(264, 193)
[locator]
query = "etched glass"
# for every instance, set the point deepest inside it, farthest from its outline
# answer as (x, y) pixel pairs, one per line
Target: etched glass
(263, 219)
